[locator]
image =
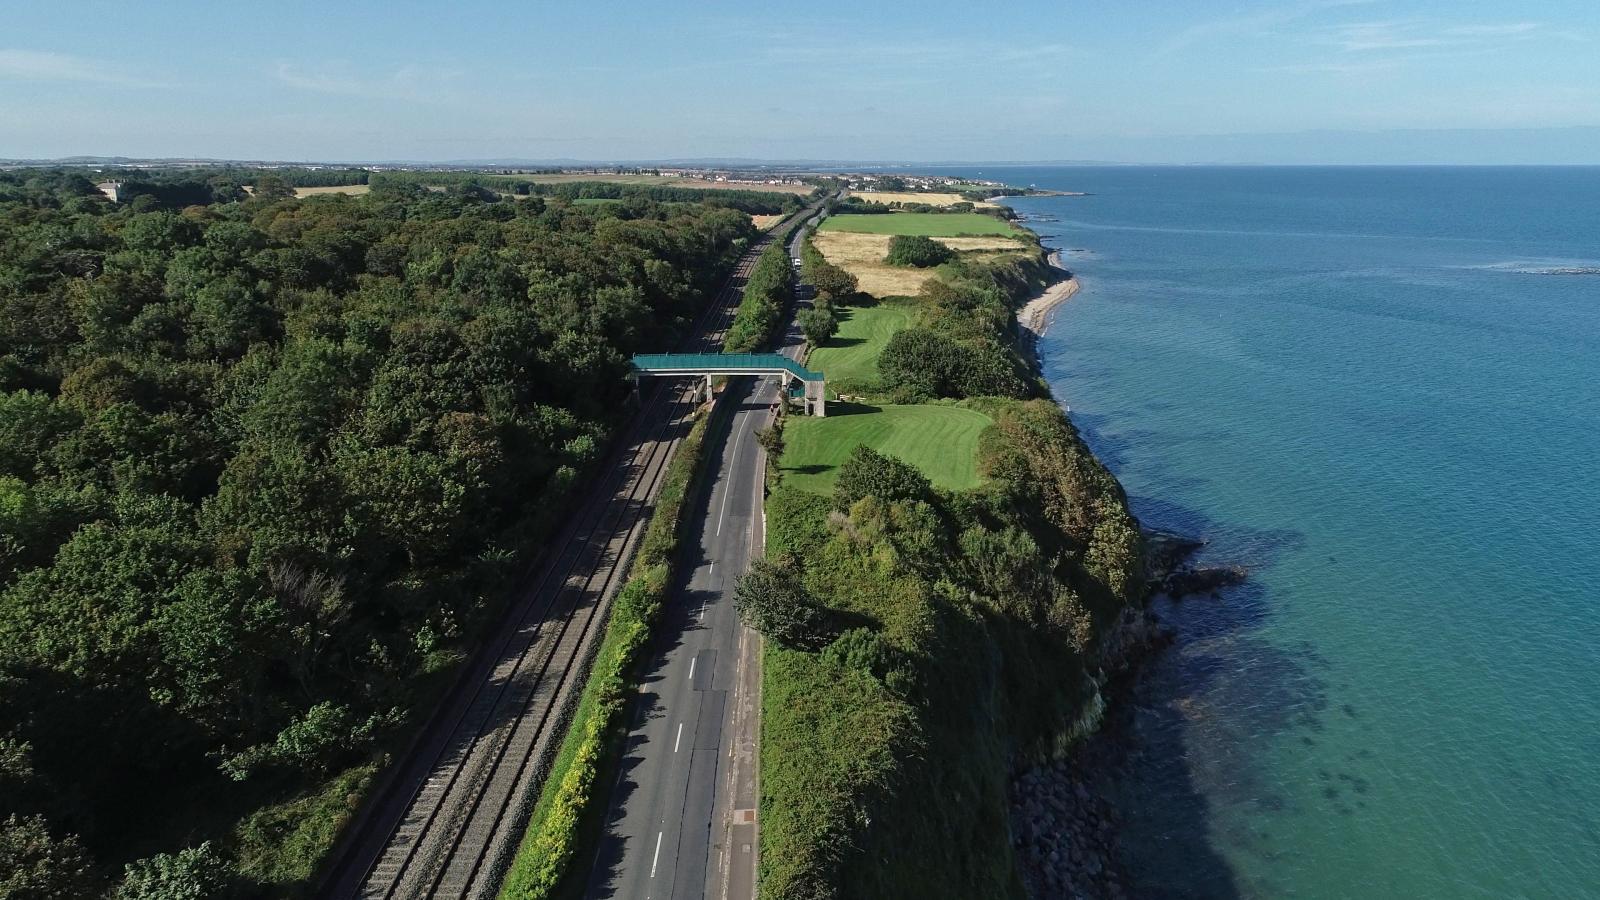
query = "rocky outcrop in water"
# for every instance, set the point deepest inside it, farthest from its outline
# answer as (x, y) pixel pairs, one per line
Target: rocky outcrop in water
(1206, 580)
(1167, 571)
(1165, 551)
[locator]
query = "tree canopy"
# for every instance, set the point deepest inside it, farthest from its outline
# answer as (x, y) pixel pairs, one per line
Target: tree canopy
(264, 463)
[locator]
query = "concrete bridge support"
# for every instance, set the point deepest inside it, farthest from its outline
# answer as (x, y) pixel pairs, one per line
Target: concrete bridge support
(816, 398)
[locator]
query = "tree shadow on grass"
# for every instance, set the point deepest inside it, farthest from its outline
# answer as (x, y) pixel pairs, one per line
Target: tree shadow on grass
(814, 469)
(838, 408)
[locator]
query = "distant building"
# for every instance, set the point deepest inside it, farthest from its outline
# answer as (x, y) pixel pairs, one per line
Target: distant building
(112, 190)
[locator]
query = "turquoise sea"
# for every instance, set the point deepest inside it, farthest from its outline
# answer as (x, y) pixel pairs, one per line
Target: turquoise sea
(1380, 390)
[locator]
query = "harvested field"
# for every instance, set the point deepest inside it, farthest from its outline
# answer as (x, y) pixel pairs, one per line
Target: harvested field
(667, 181)
(925, 224)
(862, 256)
(965, 244)
(354, 189)
(765, 222)
(915, 197)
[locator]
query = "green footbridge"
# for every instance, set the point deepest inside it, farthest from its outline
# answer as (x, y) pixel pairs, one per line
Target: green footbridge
(814, 389)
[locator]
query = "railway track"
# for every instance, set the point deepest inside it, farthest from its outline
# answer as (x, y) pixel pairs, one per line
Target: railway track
(449, 822)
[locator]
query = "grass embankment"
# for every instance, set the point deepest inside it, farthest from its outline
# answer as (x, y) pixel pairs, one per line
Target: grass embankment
(940, 441)
(564, 819)
(940, 224)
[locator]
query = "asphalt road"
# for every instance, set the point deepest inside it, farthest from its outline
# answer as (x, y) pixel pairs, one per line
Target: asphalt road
(680, 822)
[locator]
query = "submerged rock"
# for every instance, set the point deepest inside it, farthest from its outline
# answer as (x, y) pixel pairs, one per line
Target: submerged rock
(1165, 551)
(1185, 581)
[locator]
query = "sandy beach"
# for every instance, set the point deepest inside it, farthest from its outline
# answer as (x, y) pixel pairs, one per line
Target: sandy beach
(1036, 314)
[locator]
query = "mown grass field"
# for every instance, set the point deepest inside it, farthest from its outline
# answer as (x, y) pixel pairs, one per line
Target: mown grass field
(852, 354)
(924, 224)
(941, 441)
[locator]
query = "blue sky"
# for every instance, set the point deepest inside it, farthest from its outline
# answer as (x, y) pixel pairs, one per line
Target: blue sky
(1334, 81)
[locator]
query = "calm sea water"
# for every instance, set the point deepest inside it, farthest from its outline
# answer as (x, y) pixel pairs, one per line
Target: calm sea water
(1380, 389)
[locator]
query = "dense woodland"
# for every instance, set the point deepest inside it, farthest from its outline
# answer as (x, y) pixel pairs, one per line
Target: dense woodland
(265, 465)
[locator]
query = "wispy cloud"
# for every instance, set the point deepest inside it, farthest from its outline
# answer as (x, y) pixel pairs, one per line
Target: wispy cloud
(1362, 37)
(1507, 30)
(1259, 22)
(1370, 46)
(40, 65)
(1339, 68)
(413, 83)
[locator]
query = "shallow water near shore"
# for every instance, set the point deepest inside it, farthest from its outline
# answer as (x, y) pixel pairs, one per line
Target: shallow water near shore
(1379, 389)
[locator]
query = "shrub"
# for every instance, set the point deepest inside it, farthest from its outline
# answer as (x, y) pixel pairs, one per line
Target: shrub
(916, 250)
(870, 473)
(771, 600)
(818, 324)
(919, 363)
(194, 873)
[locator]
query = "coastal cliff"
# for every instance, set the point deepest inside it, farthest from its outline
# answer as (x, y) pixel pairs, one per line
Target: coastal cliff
(948, 637)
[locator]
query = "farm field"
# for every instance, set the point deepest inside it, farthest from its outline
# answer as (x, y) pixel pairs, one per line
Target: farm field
(862, 256)
(933, 199)
(941, 441)
(765, 222)
(666, 181)
(925, 224)
(852, 354)
(303, 192)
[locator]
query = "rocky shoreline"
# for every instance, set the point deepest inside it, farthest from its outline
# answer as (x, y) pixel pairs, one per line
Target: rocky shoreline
(1064, 825)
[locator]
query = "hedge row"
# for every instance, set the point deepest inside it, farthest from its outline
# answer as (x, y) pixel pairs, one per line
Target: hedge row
(554, 834)
(767, 293)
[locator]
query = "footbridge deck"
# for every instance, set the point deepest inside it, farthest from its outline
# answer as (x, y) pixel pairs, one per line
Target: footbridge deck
(759, 364)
